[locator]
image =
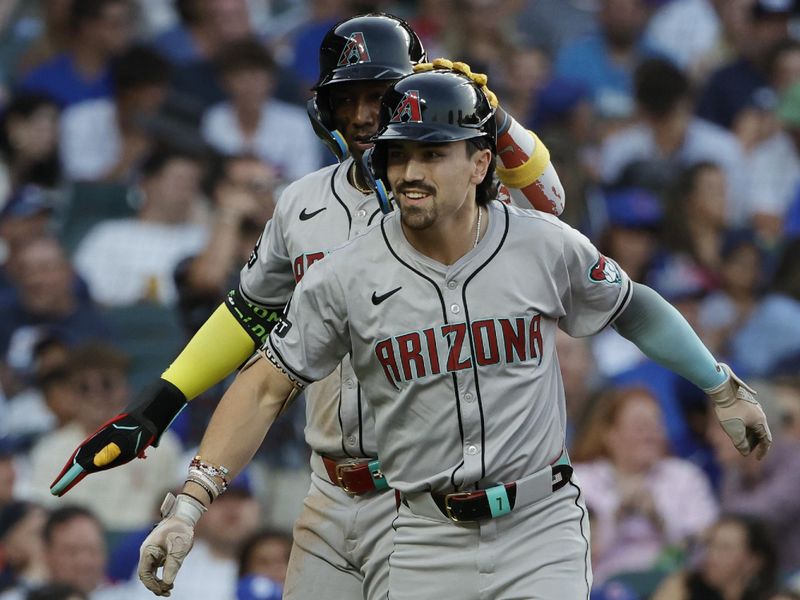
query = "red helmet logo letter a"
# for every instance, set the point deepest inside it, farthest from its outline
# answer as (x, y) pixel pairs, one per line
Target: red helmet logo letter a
(408, 111)
(355, 51)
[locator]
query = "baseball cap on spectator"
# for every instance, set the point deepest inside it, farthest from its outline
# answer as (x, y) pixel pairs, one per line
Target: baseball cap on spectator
(241, 486)
(28, 201)
(765, 9)
(633, 208)
(258, 587)
(556, 100)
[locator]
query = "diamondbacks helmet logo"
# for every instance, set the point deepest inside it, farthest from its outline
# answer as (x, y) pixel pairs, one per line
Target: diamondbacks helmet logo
(605, 271)
(408, 110)
(355, 51)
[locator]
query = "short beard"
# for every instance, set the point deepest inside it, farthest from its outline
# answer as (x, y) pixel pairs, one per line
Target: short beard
(418, 218)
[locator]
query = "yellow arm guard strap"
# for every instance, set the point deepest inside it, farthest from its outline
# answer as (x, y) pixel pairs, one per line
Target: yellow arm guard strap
(524, 175)
(219, 347)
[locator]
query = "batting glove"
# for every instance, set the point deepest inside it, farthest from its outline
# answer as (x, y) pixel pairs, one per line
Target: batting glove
(741, 415)
(459, 67)
(169, 543)
(124, 437)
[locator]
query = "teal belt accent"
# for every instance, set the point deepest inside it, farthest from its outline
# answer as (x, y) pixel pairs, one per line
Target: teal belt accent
(377, 475)
(498, 500)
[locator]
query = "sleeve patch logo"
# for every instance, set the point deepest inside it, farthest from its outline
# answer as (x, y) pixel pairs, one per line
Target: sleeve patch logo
(605, 271)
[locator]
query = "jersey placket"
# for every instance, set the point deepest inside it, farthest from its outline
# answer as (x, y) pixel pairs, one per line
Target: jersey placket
(466, 392)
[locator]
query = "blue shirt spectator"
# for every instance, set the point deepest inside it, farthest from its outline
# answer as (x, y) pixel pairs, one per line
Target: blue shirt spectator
(61, 79)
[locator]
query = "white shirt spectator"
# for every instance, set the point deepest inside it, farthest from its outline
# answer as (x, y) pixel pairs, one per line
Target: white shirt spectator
(128, 260)
(90, 140)
(686, 31)
(123, 499)
(704, 141)
(283, 139)
(775, 169)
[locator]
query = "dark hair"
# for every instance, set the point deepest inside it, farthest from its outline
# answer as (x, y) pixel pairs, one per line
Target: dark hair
(247, 54)
(86, 10)
(778, 50)
(161, 157)
(47, 171)
(676, 228)
(659, 86)
(486, 190)
(63, 515)
(252, 542)
(139, 66)
(97, 355)
(55, 591)
(760, 543)
(787, 274)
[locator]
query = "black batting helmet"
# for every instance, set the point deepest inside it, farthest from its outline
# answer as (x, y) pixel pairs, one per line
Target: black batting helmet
(369, 47)
(432, 106)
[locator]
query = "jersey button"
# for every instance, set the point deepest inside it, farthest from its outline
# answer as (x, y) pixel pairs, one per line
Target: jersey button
(352, 440)
(468, 397)
(472, 450)
(452, 285)
(362, 213)
(348, 384)
(455, 309)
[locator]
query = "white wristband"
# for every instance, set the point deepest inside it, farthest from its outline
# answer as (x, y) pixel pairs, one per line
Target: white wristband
(183, 507)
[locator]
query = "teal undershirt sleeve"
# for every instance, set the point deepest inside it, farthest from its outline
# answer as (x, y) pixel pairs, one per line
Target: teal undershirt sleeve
(662, 333)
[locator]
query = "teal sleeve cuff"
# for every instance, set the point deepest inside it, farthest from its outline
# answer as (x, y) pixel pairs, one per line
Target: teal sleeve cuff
(662, 333)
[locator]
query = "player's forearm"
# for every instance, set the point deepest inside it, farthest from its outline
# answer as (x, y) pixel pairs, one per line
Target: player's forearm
(219, 347)
(662, 333)
(244, 415)
(523, 165)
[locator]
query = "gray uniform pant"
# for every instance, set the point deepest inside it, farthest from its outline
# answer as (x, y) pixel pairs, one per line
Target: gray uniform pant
(341, 545)
(537, 551)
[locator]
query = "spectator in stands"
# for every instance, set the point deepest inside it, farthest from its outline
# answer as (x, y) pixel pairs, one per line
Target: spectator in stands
(56, 591)
(52, 37)
(765, 489)
(605, 60)
(49, 299)
(244, 202)
(740, 275)
(252, 120)
(739, 564)
(265, 553)
(669, 132)
(636, 491)
(772, 333)
(304, 41)
(29, 145)
(553, 24)
(739, 83)
(581, 380)
(107, 138)
(99, 30)
(126, 261)
(21, 546)
(8, 472)
(121, 499)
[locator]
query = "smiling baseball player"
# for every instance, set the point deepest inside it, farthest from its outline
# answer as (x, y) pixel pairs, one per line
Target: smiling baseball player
(342, 538)
(450, 325)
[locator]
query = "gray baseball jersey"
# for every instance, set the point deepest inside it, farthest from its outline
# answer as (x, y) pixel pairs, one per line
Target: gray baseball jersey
(315, 215)
(458, 362)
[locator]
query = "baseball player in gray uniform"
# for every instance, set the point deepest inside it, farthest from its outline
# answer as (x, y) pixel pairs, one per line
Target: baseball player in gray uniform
(342, 539)
(448, 310)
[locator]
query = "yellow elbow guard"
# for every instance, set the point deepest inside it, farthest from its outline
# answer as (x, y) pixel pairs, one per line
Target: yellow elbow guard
(522, 176)
(215, 351)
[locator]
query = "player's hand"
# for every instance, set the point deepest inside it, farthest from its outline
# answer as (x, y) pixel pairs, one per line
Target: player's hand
(124, 437)
(169, 543)
(741, 415)
(459, 67)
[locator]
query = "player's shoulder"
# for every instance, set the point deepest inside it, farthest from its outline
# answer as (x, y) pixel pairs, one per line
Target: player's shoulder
(528, 217)
(313, 187)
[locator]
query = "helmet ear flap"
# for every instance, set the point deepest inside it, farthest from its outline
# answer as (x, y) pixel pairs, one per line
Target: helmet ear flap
(320, 117)
(374, 171)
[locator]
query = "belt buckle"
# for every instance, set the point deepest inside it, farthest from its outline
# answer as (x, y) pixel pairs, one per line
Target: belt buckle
(447, 507)
(340, 470)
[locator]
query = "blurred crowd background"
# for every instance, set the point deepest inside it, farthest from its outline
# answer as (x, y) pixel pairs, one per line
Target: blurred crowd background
(144, 143)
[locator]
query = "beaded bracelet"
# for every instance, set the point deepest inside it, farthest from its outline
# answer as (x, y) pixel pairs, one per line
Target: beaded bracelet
(211, 470)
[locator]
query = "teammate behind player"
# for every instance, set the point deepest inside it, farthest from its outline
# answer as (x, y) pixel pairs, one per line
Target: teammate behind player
(457, 361)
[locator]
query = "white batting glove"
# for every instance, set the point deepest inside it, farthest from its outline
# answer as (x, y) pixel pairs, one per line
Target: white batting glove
(169, 543)
(741, 415)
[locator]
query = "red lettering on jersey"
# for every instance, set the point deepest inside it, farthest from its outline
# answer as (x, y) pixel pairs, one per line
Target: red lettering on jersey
(536, 338)
(457, 342)
(513, 335)
(486, 353)
(433, 352)
(411, 351)
(384, 351)
(303, 262)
